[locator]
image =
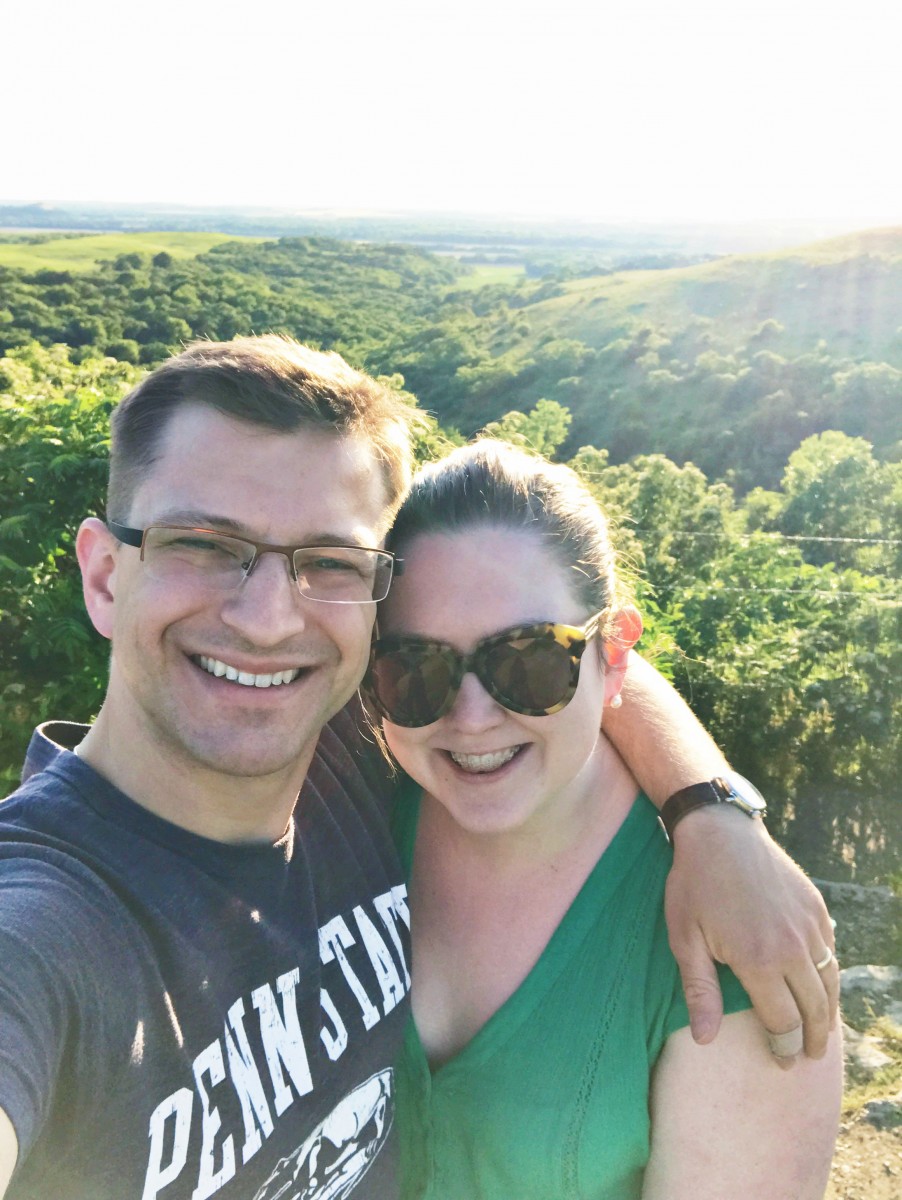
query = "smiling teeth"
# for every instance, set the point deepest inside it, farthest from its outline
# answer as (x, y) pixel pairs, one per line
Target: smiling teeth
(214, 667)
(480, 763)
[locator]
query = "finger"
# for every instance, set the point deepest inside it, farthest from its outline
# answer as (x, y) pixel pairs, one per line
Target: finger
(786, 1047)
(778, 1011)
(831, 980)
(812, 991)
(701, 988)
(830, 975)
(821, 1010)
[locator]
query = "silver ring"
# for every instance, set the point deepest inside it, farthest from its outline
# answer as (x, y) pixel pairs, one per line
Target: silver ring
(786, 1045)
(825, 961)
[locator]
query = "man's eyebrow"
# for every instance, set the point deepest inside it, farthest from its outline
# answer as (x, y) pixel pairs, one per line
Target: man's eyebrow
(193, 519)
(335, 539)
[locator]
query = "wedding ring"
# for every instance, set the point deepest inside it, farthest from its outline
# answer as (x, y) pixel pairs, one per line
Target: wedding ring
(825, 961)
(786, 1045)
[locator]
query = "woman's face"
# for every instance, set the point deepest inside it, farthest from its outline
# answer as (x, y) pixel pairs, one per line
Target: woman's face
(493, 770)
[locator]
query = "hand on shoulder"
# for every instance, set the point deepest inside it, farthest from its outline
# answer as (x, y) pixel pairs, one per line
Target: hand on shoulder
(733, 895)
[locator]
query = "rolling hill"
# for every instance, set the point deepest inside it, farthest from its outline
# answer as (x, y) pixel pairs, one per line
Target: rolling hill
(84, 252)
(729, 363)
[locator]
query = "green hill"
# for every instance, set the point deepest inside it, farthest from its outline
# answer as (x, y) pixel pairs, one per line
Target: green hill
(86, 251)
(845, 290)
(729, 363)
(885, 243)
(143, 300)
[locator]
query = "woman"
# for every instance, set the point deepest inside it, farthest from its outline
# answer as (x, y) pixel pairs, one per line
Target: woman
(550, 1056)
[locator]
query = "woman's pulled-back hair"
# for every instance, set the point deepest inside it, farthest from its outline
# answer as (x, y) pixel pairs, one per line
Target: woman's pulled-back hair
(493, 483)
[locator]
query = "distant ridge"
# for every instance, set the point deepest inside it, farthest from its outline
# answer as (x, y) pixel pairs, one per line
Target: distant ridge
(886, 242)
(729, 363)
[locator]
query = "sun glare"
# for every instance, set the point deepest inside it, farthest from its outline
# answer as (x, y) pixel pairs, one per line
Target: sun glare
(702, 111)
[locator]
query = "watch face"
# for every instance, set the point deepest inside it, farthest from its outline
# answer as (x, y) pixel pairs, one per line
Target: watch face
(745, 794)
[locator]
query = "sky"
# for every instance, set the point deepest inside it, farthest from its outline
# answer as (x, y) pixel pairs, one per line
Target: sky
(640, 110)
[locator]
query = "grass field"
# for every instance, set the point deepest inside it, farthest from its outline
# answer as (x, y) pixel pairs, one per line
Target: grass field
(83, 253)
(484, 274)
(846, 291)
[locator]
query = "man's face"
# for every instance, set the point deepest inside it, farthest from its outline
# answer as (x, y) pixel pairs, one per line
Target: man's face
(309, 487)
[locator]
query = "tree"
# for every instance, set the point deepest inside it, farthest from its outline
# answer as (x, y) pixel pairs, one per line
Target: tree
(54, 421)
(543, 430)
(835, 489)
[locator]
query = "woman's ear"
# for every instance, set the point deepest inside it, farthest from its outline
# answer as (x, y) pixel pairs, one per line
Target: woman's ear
(627, 629)
(95, 548)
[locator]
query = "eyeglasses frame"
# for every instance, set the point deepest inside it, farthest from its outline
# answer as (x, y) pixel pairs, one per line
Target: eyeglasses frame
(138, 538)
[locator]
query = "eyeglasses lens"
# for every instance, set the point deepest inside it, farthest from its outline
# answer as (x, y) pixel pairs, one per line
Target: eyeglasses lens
(343, 574)
(333, 574)
(186, 556)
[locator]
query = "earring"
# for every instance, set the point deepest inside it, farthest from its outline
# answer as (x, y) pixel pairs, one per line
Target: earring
(617, 701)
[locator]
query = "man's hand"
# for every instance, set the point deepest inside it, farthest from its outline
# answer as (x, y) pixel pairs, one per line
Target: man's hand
(733, 895)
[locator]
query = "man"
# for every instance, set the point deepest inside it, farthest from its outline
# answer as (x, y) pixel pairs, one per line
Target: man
(203, 927)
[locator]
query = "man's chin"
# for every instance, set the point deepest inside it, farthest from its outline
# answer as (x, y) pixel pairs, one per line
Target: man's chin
(249, 753)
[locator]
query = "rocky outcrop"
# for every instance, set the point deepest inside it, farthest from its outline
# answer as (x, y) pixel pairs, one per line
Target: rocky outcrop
(869, 994)
(884, 1114)
(868, 922)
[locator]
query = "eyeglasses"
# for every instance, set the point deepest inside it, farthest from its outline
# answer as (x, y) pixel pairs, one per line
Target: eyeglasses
(530, 669)
(203, 557)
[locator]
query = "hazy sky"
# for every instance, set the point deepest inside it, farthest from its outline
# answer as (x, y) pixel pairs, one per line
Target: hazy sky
(640, 109)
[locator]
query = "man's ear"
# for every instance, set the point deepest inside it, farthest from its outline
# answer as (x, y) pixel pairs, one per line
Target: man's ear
(617, 645)
(96, 547)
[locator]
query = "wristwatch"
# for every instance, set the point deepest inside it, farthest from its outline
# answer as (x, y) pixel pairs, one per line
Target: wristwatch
(728, 788)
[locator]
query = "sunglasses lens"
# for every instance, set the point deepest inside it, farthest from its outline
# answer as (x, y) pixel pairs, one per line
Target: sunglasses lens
(531, 675)
(412, 684)
(532, 670)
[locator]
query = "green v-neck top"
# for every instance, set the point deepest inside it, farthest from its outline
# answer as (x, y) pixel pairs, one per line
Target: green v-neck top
(549, 1101)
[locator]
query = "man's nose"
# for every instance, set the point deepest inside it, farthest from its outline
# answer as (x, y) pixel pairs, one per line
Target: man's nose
(267, 606)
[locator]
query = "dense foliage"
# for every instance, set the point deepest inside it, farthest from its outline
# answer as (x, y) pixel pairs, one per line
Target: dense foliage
(729, 364)
(138, 308)
(768, 572)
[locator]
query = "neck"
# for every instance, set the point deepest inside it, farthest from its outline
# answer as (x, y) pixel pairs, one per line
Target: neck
(225, 808)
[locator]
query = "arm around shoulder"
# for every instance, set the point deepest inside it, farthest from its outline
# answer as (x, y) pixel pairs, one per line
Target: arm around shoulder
(733, 895)
(9, 1151)
(658, 736)
(726, 1121)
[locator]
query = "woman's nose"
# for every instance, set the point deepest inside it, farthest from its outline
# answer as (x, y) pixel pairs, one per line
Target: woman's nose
(473, 707)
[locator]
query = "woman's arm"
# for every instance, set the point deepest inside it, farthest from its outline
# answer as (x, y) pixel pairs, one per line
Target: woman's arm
(726, 1121)
(733, 895)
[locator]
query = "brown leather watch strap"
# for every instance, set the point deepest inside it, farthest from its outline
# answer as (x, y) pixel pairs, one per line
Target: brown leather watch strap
(687, 799)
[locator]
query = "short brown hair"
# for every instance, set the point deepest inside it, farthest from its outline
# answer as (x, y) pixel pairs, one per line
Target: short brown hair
(270, 381)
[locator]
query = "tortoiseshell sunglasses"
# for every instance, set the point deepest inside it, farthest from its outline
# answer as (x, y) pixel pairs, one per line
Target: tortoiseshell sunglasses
(529, 669)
